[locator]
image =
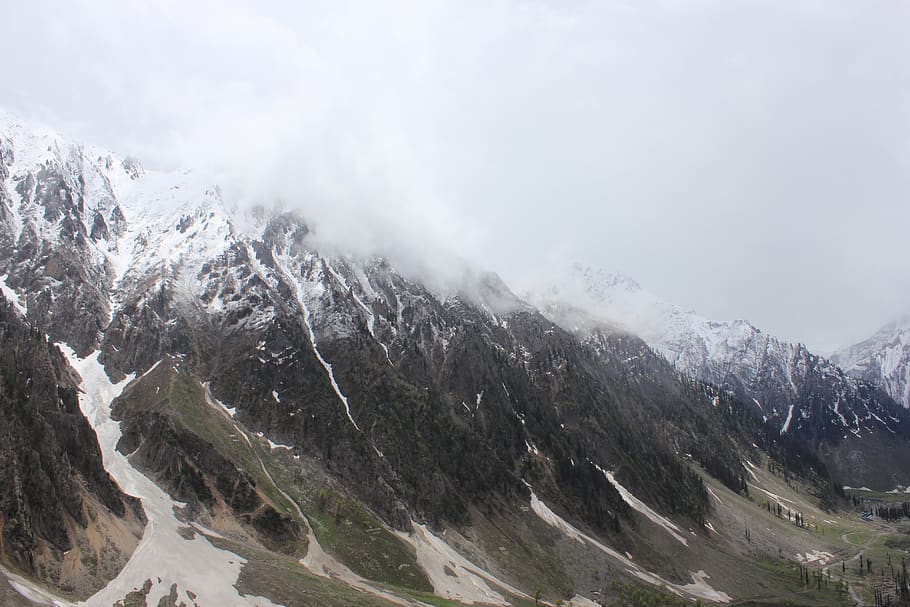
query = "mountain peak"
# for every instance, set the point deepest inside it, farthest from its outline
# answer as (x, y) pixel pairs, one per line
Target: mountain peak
(883, 359)
(598, 280)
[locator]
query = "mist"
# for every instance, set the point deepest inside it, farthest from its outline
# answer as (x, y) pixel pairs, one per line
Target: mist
(748, 160)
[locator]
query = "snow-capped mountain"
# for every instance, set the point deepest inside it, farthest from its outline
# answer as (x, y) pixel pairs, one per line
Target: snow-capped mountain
(802, 392)
(311, 427)
(883, 359)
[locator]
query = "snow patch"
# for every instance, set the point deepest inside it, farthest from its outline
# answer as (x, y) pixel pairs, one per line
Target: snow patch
(815, 557)
(786, 426)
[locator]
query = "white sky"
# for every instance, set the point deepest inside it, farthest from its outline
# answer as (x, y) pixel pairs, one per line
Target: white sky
(747, 159)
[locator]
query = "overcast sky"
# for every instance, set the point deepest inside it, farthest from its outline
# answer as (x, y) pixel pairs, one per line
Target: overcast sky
(746, 159)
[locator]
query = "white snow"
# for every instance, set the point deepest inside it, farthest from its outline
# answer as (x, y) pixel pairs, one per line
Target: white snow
(201, 567)
(786, 425)
(274, 445)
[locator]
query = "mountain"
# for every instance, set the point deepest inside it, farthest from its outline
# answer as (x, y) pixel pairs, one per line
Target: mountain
(311, 428)
(801, 393)
(883, 360)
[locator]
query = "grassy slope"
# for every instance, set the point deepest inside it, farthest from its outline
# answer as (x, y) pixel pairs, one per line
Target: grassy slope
(343, 526)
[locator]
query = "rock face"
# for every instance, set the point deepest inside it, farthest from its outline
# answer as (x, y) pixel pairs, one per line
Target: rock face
(883, 360)
(57, 211)
(57, 495)
(803, 394)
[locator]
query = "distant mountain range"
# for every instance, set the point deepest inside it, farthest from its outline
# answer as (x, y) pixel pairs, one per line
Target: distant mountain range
(801, 393)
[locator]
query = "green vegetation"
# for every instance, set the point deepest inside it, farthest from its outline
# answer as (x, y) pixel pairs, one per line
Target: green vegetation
(898, 542)
(635, 595)
(283, 580)
(187, 399)
(876, 496)
(343, 526)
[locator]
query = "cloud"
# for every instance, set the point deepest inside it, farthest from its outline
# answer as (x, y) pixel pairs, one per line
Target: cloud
(748, 161)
